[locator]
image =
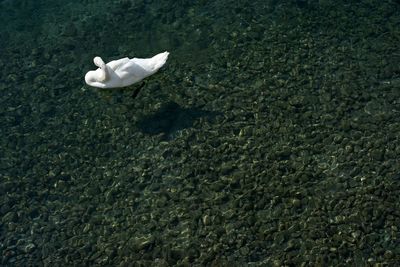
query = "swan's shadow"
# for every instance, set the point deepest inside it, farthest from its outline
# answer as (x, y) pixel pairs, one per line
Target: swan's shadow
(171, 118)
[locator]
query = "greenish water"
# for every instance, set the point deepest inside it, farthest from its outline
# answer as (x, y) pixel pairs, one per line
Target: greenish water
(270, 138)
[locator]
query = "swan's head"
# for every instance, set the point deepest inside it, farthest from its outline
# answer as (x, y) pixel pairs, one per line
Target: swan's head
(98, 61)
(95, 76)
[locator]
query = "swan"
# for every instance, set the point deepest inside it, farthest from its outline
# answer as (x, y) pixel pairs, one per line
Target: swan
(124, 72)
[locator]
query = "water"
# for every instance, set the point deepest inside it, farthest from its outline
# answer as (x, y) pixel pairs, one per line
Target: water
(270, 138)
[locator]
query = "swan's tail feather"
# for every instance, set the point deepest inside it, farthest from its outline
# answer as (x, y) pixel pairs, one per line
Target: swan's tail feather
(153, 64)
(160, 59)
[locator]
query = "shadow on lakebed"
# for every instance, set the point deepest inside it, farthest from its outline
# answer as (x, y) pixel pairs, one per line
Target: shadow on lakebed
(171, 118)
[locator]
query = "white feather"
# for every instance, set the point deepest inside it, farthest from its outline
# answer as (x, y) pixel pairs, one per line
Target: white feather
(124, 72)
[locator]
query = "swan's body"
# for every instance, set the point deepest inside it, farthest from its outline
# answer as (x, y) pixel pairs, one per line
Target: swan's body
(124, 72)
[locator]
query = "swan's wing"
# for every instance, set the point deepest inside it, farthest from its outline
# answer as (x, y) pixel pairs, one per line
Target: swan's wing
(116, 64)
(137, 69)
(152, 64)
(133, 69)
(146, 64)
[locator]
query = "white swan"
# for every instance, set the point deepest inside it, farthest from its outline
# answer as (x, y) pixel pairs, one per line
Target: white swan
(124, 72)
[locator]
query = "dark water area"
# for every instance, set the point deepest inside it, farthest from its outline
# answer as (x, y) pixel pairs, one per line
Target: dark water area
(270, 137)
